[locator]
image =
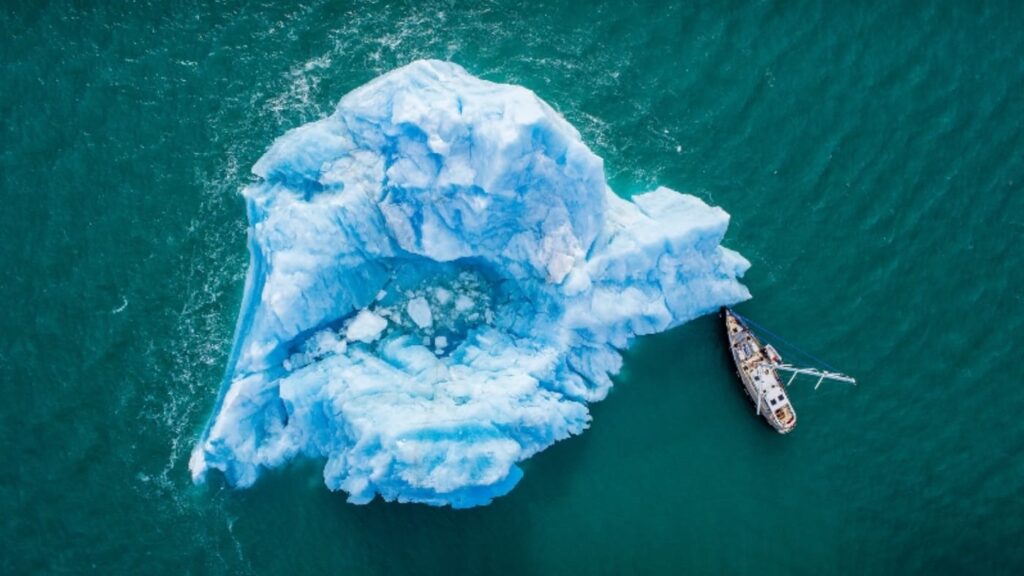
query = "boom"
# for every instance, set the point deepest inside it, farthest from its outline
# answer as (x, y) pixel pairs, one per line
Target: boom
(821, 374)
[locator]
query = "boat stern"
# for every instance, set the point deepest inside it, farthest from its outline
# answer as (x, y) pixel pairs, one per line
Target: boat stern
(785, 419)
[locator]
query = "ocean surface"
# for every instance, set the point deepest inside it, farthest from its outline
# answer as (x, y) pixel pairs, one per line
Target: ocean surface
(871, 156)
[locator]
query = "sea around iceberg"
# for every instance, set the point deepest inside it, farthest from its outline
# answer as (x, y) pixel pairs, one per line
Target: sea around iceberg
(440, 281)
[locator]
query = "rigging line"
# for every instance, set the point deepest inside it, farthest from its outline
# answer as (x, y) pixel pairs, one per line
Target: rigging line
(790, 347)
(787, 343)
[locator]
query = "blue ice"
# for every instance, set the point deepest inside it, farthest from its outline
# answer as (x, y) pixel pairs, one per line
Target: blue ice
(440, 281)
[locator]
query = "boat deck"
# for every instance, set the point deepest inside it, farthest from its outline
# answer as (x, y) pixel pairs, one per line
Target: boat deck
(758, 375)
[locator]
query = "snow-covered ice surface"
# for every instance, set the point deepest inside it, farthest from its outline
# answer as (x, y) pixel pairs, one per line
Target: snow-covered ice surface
(440, 281)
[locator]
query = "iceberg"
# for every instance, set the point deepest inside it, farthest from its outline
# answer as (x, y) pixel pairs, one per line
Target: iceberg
(440, 281)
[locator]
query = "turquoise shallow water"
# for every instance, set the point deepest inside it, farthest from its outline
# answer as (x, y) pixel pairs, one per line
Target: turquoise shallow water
(872, 158)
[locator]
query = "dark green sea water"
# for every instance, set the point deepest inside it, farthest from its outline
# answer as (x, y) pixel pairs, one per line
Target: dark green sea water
(872, 157)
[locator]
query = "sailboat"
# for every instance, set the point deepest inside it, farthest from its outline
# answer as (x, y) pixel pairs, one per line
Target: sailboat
(759, 366)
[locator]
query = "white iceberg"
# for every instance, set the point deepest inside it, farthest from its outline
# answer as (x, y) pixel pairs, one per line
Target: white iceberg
(473, 209)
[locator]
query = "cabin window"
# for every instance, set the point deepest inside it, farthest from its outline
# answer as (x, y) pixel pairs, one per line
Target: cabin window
(773, 402)
(780, 397)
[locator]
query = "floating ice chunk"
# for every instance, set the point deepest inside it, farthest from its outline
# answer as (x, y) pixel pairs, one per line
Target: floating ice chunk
(443, 296)
(366, 327)
(419, 310)
(327, 342)
(463, 303)
(463, 231)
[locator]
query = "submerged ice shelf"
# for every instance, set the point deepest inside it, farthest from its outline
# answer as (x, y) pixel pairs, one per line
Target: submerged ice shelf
(440, 280)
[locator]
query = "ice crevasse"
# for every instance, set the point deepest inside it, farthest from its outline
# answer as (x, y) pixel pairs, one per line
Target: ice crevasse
(440, 281)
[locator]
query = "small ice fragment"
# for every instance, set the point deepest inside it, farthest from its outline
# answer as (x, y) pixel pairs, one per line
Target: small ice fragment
(327, 342)
(463, 303)
(366, 327)
(440, 342)
(443, 296)
(419, 311)
(381, 295)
